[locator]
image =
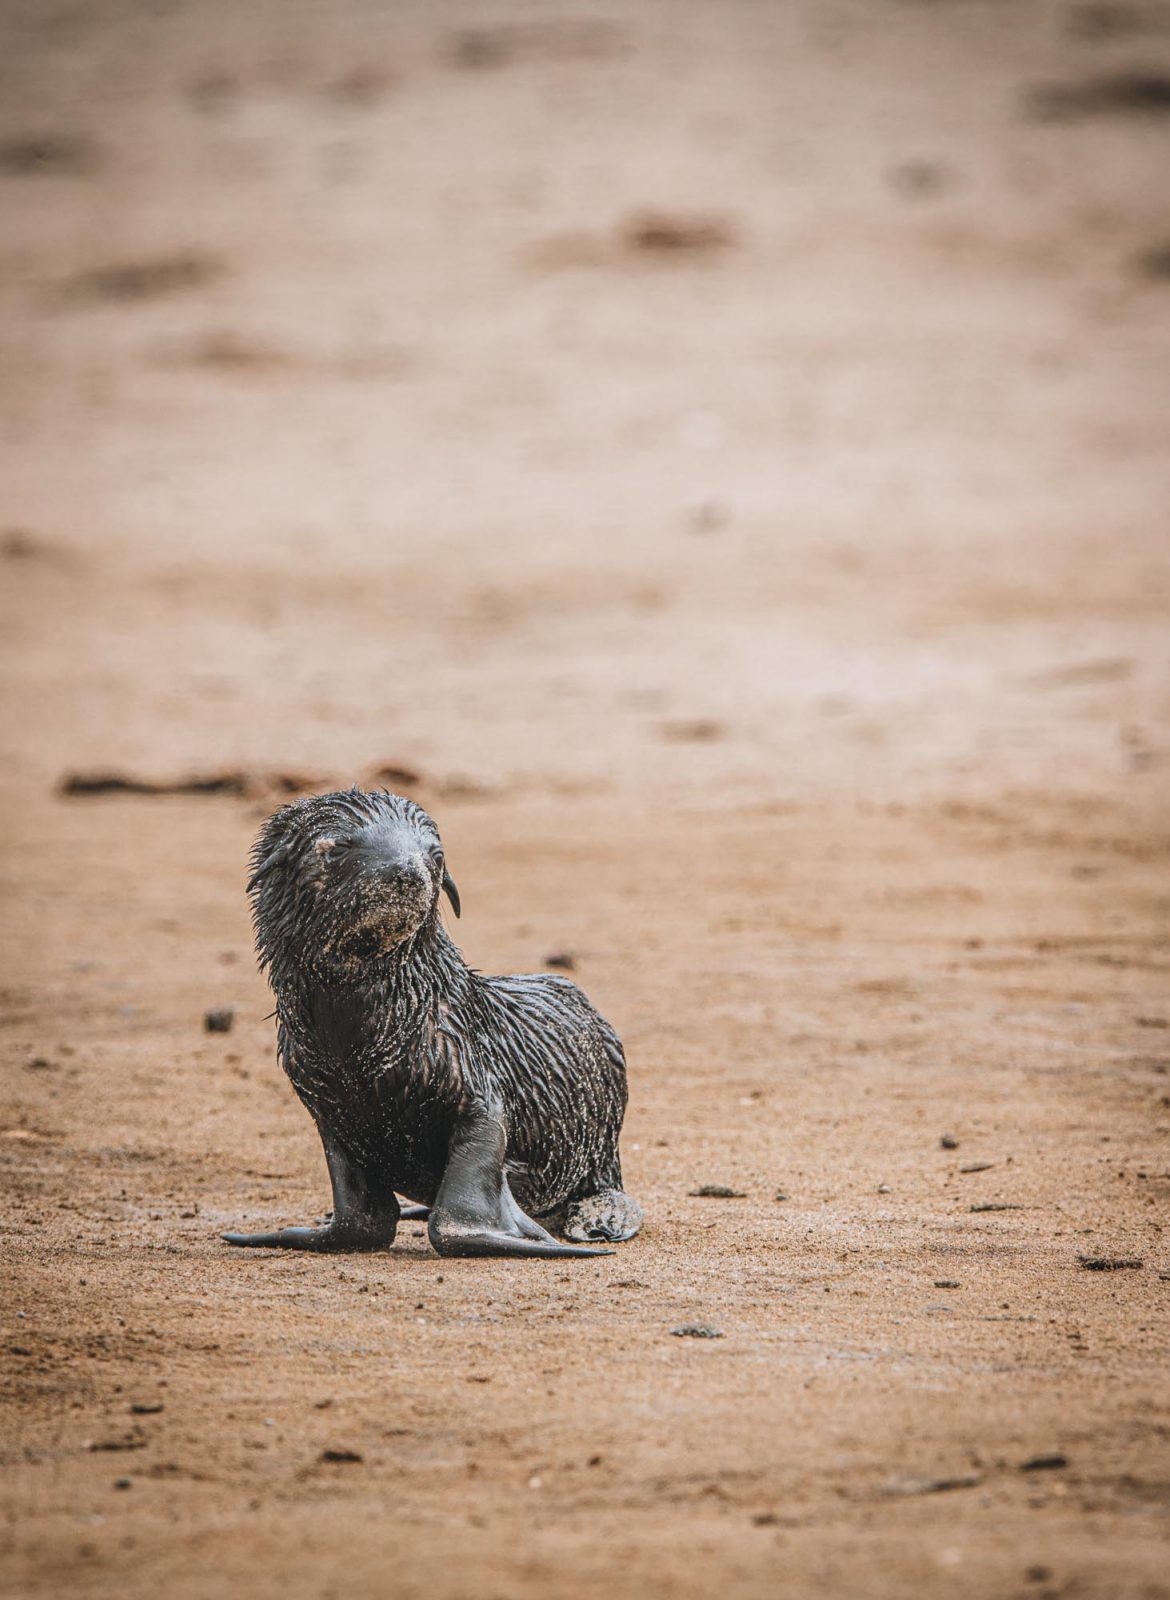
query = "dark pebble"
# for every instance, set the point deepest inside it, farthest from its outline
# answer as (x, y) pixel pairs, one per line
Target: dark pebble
(949, 1142)
(561, 960)
(1048, 1463)
(1136, 92)
(946, 1283)
(708, 517)
(39, 153)
(919, 179)
(219, 1021)
(700, 731)
(127, 281)
(1110, 1263)
(123, 1483)
(340, 1455)
(716, 1191)
(696, 1330)
(661, 231)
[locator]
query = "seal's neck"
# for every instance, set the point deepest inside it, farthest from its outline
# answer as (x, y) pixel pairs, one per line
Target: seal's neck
(382, 1006)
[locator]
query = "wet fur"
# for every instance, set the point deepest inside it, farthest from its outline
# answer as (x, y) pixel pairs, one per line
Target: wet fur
(388, 1041)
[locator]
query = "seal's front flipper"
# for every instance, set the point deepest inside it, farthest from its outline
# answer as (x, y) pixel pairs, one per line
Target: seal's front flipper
(365, 1214)
(475, 1213)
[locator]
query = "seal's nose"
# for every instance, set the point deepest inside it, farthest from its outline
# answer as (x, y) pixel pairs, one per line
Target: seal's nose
(401, 874)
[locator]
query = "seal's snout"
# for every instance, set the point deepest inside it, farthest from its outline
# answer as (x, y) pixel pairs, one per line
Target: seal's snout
(401, 878)
(389, 881)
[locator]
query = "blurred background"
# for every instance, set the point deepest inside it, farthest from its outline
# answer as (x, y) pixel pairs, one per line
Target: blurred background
(753, 395)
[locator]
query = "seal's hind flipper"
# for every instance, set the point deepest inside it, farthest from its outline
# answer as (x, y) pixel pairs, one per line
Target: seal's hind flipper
(475, 1213)
(491, 1242)
(609, 1214)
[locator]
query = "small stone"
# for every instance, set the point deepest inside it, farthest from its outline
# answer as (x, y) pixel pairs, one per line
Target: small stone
(1044, 1463)
(123, 1483)
(1110, 1263)
(949, 1142)
(978, 1166)
(919, 180)
(884, 1188)
(697, 730)
(37, 154)
(716, 1191)
(220, 1020)
(340, 1455)
(134, 1440)
(661, 232)
(1038, 1574)
(561, 961)
(946, 1283)
(708, 517)
(146, 1408)
(480, 47)
(696, 1330)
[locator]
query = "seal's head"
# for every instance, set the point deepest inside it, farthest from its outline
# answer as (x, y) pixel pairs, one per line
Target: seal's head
(341, 881)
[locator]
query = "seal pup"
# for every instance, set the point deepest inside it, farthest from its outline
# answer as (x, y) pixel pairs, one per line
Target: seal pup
(488, 1101)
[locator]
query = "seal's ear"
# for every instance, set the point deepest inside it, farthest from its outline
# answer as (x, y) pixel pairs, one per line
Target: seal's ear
(273, 859)
(451, 891)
